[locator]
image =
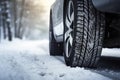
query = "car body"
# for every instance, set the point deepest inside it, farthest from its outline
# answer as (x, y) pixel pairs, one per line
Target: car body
(89, 26)
(110, 6)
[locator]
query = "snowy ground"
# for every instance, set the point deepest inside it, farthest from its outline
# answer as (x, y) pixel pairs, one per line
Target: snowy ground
(30, 60)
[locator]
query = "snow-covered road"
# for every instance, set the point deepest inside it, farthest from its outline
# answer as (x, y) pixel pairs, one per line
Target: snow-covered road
(30, 60)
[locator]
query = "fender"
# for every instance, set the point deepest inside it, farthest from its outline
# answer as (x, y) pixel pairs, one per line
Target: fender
(110, 6)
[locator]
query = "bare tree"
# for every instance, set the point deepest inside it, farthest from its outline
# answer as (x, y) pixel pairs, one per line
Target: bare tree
(8, 20)
(15, 17)
(18, 11)
(20, 27)
(5, 19)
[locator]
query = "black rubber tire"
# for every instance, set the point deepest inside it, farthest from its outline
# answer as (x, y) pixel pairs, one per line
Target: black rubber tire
(55, 48)
(88, 34)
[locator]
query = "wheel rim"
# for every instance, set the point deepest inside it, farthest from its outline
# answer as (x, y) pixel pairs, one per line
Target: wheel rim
(69, 20)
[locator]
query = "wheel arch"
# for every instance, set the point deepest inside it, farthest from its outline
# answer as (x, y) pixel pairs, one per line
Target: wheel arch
(109, 6)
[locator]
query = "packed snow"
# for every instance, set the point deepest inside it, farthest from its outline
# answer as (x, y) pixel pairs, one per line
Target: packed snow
(111, 52)
(30, 60)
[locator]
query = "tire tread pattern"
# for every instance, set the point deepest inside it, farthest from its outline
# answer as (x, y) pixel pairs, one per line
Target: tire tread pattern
(88, 46)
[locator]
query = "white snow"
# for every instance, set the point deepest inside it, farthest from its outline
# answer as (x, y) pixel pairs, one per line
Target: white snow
(111, 52)
(30, 60)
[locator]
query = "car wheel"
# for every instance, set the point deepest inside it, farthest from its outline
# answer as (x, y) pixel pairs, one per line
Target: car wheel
(83, 33)
(55, 48)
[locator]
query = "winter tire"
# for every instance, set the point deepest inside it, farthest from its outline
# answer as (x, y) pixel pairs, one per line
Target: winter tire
(83, 33)
(55, 48)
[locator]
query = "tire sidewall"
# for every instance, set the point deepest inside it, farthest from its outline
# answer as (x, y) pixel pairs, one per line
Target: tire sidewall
(69, 60)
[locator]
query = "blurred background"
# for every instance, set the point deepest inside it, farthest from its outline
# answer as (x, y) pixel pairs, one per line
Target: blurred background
(36, 18)
(24, 19)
